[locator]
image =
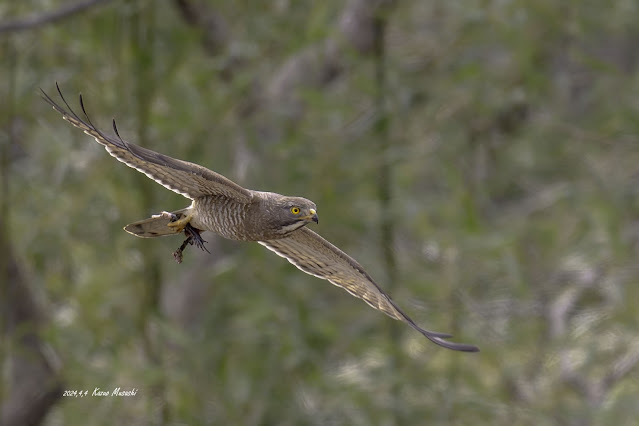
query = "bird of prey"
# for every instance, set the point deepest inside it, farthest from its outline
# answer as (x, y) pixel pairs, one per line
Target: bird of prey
(219, 205)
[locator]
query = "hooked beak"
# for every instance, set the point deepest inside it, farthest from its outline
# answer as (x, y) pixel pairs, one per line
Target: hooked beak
(313, 216)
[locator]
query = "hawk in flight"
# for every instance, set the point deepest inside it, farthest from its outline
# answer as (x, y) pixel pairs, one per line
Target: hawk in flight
(219, 205)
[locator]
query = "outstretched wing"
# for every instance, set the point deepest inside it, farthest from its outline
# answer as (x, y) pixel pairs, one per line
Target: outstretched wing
(314, 255)
(187, 179)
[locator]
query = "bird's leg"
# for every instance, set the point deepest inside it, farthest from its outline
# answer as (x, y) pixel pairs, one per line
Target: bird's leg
(192, 237)
(178, 225)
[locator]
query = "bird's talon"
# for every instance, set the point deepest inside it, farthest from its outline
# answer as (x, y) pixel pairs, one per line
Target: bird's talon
(180, 224)
(195, 237)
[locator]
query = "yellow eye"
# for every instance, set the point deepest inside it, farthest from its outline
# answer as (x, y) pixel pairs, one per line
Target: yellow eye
(295, 210)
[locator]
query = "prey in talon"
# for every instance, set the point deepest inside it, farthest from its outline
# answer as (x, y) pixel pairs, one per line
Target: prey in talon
(193, 237)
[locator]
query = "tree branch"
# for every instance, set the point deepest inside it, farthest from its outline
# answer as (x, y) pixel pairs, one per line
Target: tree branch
(47, 18)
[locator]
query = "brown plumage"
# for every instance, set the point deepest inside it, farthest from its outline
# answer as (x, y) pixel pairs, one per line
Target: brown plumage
(219, 205)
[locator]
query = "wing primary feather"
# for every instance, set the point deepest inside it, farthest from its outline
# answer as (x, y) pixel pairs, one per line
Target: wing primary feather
(66, 103)
(115, 129)
(124, 143)
(98, 131)
(91, 125)
(88, 123)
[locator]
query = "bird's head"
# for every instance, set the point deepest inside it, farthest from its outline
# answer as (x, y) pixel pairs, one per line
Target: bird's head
(295, 212)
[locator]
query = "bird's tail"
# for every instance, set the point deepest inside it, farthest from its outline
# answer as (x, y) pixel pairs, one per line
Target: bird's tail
(156, 225)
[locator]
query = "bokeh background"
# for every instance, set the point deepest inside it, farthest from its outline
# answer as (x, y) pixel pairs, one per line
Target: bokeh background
(479, 158)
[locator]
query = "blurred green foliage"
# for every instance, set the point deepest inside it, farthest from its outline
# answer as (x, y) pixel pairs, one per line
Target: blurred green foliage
(513, 154)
